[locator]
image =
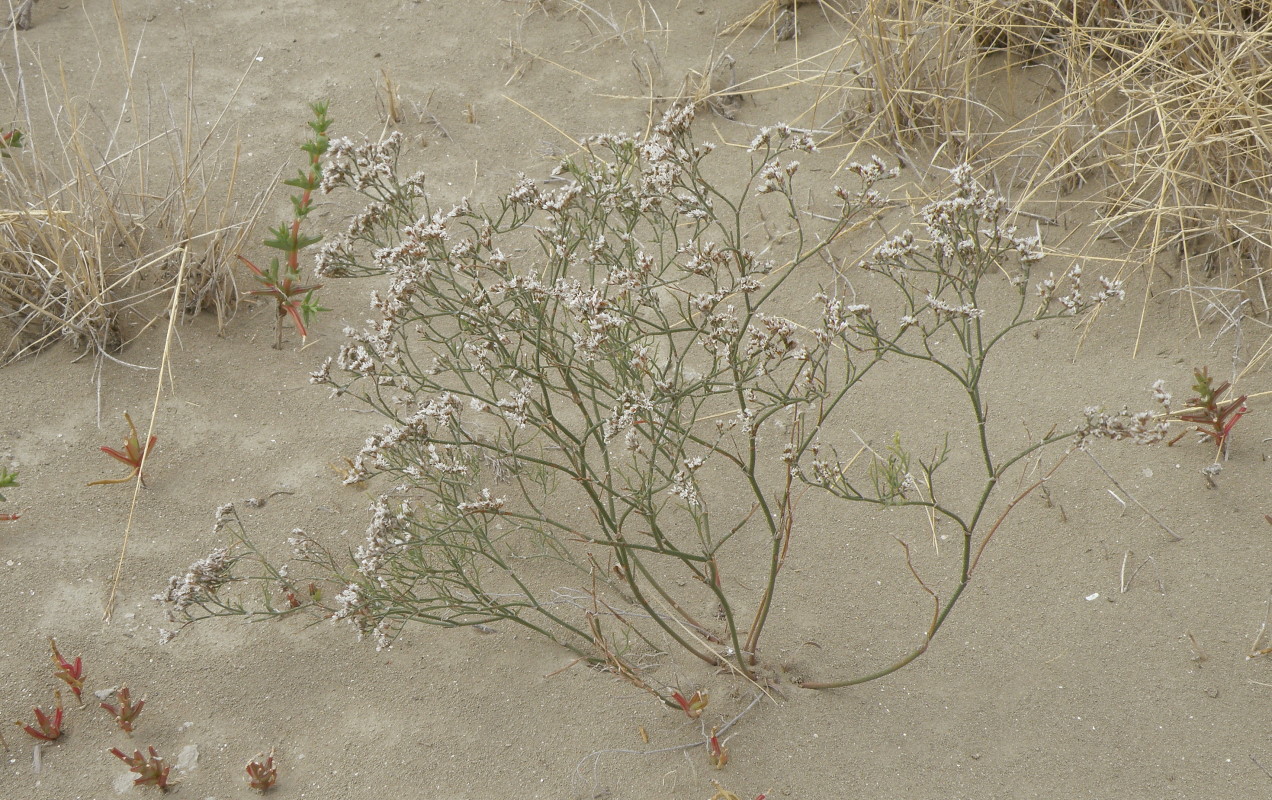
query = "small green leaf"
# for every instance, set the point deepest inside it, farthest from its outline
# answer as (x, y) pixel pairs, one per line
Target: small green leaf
(310, 308)
(280, 238)
(305, 180)
(304, 240)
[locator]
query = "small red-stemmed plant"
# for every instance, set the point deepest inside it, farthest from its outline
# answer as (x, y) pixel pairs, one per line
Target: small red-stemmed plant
(693, 705)
(50, 725)
(150, 769)
(717, 753)
(70, 673)
(282, 280)
(12, 140)
(133, 455)
(1213, 418)
(126, 712)
(8, 479)
(261, 772)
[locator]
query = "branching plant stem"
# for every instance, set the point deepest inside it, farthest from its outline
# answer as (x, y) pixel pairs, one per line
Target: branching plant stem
(595, 419)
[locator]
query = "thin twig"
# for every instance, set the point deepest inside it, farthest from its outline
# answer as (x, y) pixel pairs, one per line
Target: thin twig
(1174, 537)
(164, 364)
(1260, 766)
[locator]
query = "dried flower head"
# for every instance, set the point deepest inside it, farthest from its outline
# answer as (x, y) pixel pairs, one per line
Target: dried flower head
(200, 582)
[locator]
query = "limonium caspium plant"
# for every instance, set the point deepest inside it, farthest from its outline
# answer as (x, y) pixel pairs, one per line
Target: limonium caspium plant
(597, 417)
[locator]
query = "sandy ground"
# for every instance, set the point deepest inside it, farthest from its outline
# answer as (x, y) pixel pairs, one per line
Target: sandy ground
(1049, 680)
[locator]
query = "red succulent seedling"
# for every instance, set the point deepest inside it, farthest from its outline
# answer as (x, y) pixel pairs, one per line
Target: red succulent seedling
(133, 455)
(150, 769)
(261, 772)
(1213, 418)
(71, 674)
(694, 705)
(50, 726)
(717, 753)
(126, 712)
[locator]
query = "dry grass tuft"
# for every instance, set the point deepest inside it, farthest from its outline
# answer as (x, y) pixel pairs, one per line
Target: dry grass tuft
(1163, 106)
(913, 82)
(782, 17)
(713, 87)
(95, 215)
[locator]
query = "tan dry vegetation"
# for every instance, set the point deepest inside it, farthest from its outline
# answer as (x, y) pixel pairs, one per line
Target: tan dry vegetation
(1162, 107)
(97, 208)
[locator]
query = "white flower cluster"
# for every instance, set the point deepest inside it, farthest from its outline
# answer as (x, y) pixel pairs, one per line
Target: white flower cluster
(684, 487)
(946, 311)
(783, 135)
(633, 276)
(224, 513)
(1028, 248)
(705, 259)
(705, 302)
(1074, 301)
(720, 330)
(359, 165)
(373, 352)
(558, 201)
(663, 160)
(376, 452)
(485, 503)
(951, 222)
(676, 121)
(837, 316)
(629, 408)
(824, 473)
(775, 176)
(524, 192)
(348, 602)
(453, 463)
(773, 340)
(200, 581)
(386, 534)
(516, 406)
(869, 175)
(1141, 427)
(331, 258)
(589, 307)
(894, 252)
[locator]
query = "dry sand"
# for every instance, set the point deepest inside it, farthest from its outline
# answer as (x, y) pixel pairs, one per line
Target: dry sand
(1048, 681)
